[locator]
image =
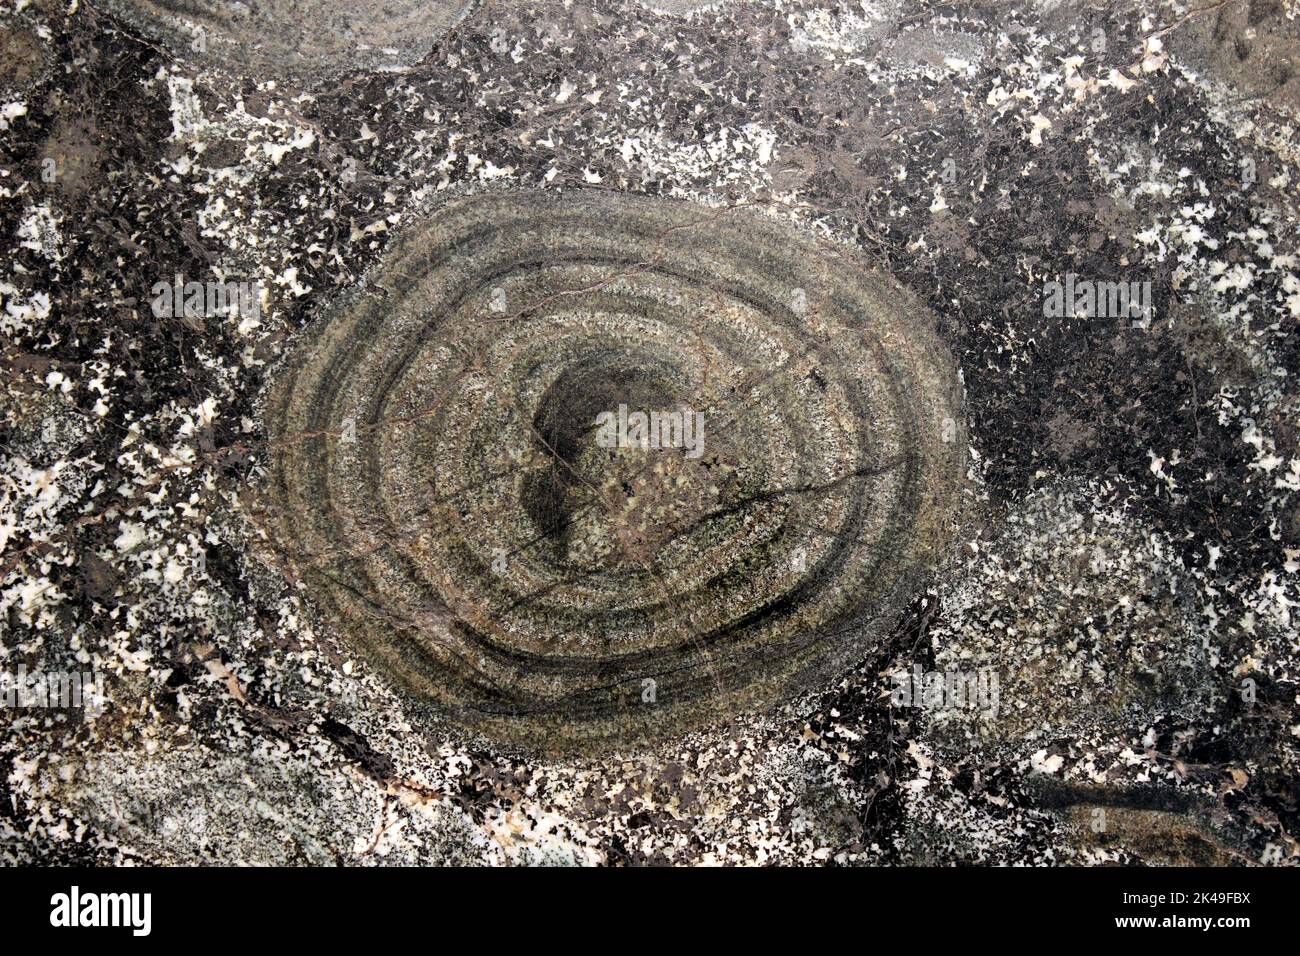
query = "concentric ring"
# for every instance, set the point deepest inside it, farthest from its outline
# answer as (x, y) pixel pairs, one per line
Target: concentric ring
(440, 482)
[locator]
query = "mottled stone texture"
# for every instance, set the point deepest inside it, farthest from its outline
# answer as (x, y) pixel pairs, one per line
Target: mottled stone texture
(262, 38)
(273, 614)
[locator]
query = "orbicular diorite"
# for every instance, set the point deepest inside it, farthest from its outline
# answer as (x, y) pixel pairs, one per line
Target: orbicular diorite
(438, 481)
(296, 37)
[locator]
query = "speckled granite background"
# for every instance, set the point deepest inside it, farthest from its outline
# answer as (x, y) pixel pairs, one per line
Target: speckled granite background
(1127, 560)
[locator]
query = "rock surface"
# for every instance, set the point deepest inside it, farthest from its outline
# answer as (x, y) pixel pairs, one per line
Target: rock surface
(1113, 589)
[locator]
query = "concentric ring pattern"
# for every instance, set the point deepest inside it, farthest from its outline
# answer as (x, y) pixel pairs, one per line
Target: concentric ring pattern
(440, 481)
